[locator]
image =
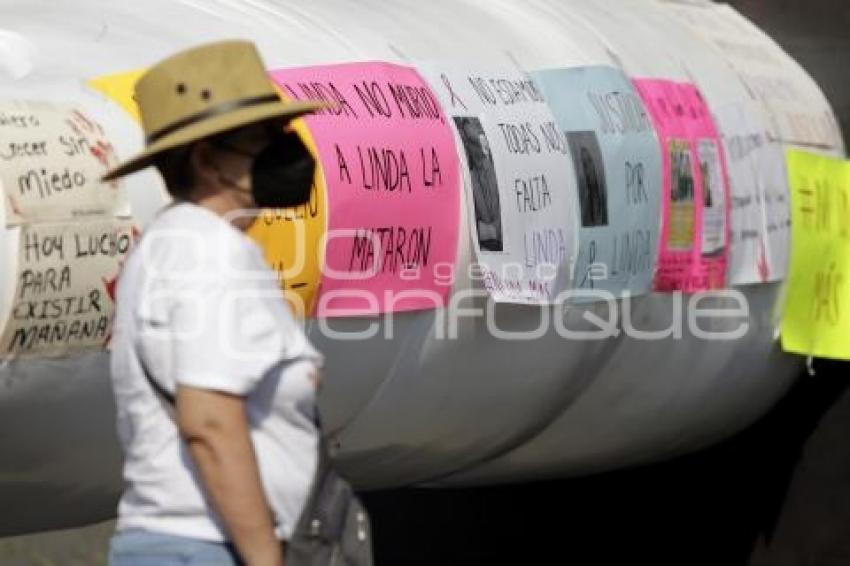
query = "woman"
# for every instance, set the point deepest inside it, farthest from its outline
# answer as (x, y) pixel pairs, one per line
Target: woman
(213, 378)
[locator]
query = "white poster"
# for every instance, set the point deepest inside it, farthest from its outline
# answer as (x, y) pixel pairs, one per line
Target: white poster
(760, 215)
(64, 288)
(521, 183)
(51, 160)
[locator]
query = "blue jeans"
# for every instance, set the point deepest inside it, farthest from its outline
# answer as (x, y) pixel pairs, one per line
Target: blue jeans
(137, 547)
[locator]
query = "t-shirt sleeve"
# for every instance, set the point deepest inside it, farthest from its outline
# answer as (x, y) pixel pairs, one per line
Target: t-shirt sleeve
(223, 337)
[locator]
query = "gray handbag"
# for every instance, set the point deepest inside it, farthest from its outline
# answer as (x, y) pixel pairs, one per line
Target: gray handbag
(334, 528)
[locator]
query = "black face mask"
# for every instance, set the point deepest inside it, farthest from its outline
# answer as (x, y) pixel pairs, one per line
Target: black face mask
(282, 173)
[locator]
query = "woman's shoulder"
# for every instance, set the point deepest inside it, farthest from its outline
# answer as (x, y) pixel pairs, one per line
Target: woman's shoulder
(189, 216)
(188, 237)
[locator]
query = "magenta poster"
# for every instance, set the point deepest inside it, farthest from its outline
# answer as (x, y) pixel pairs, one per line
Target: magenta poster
(694, 242)
(393, 188)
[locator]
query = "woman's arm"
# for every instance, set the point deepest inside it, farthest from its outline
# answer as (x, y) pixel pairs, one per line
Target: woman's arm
(215, 427)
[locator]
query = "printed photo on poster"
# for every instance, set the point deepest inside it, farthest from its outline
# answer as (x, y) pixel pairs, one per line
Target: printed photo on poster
(590, 175)
(713, 216)
(485, 187)
(523, 205)
(682, 217)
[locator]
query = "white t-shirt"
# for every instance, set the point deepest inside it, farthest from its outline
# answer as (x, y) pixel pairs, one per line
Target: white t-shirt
(198, 305)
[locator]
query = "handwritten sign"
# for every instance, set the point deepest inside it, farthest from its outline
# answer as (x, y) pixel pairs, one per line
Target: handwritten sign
(760, 221)
(51, 161)
(521, 182)
(816, 321)
(393, 185)
(694, 233)
(65, 286)
(799, 112)
(618, 166)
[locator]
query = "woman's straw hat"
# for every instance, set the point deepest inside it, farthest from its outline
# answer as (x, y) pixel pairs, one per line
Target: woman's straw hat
(201, 92)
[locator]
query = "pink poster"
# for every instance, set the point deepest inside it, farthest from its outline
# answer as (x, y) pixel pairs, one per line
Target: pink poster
(393, 187)
(694, 243)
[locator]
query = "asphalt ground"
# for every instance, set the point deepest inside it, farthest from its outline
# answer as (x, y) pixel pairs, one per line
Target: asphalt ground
(87, 546)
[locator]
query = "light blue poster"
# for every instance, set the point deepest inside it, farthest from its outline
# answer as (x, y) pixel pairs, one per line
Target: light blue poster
(618, 170)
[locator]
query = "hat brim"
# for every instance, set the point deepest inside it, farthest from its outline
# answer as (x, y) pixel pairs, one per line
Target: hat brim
(212, 126)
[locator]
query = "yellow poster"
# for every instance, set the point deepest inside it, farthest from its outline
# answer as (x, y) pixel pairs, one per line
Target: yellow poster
(290, 238)
(816, 321)
(119, 87)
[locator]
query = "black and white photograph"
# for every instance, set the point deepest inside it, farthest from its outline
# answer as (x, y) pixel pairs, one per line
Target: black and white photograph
(485, 187)
(590, 174)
